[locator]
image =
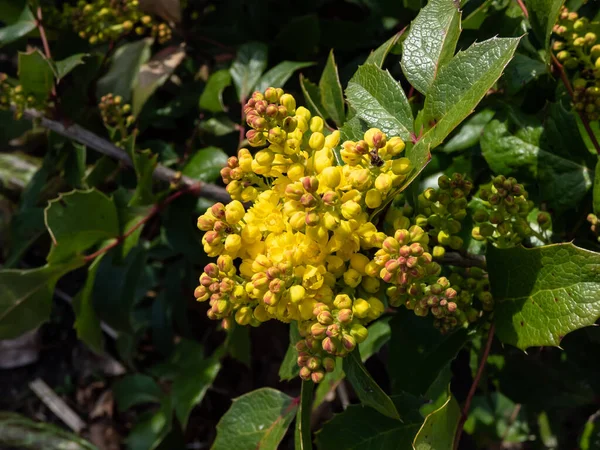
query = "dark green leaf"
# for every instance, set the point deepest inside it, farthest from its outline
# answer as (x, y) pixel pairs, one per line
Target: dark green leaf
(247, 68)
(87, 323)
(439, 428)
(520, 71)
(366, 388)
(462, 83)
(470, 132)
(312, 96)
(380, 101)
(378, 55)
(330, 88)
(104, 168)
(413, 368)
(289, 366)
(353, 130)
(77, 220)
(278, 75)
(23, 26)
(258, 419)
(154, 73)
(379, 334)
(135, 390)
(596, 199)
(430, 43)
(26, 296)
(212, 96)
(123, 73)
(303, 436)
(144, 163)
(35, 74)
(180, 230)
(543, 14)
(75, 166)
(206, 164)
(19, 432)
(238, 343)
(590, 438)
(543, 293)
(219, 126)
(64, 67)
(151, 428)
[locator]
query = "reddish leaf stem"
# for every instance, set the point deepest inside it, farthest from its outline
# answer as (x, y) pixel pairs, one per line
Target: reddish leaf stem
(467, 407)
(523, 8)
(44, 39)
(153, 211)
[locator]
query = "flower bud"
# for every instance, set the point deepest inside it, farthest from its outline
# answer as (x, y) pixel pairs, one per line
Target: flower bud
(289, 102)
(359, 333)
(360, 308)
(401, 166)
(317, 376)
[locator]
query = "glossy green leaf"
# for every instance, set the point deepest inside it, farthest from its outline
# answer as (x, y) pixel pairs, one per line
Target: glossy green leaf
(278, 75)
(302, 435)
(206, 164)
(20, 432)
(470, 132)
(154, 74)
(258, 419)
(596, 199)
(353, 130)
(87, 323)
(312, 97)
(543, 293)
(522, 70)
(380, 101)
(330, 89)
(136, 389)
(151, 428)
(543, 14)
(439, 428)
(212, 95)
(430, 43)
(219, 126)
(144, 163)
(35, 74)
(248, 66)
(462, 83)
(289, 366)
(379, 55)
(64, 67)
(545, 153)
(122, 76)
(77, 220)
(23, 26)
(26, 296)
(367, 390)
(75, 166)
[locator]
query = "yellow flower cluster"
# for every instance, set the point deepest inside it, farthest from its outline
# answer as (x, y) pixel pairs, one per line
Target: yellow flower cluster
(302, 250)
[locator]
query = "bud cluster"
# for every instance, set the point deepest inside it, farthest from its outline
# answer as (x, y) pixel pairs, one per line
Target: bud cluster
(578, 48)
(594, 224)
(107, 20)
(117, 117)
(502, 213)
(12, 95)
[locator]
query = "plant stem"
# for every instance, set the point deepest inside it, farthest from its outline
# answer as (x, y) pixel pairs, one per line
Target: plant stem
(467, 407)
(584, 120)
(303, 438)
(242, 129)
(44, 39)
(153, 211)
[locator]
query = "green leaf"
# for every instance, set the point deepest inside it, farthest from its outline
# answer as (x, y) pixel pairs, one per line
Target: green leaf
(544, 153)
(364, 428)
(136, 389)
(123, 73)
(462, 83)
(329, 383)
(75, 166)
(522, 70)
(191, 383)
(596, 198)
(26, 296)
(64, 67)
(303, 436)
(590, 438)
(278, 75)
(378, 55)
(543, 14)
(77, 220)
(144, 163)
(258, 419)
(87, 323)
(330, 88)
(367, 390)
(206, 164)
(212, 96)
(238, 343)
(23, 26)
(247, 68)
(430, 43)
(380, 101)
(35, 74)
(353, 130)
(379, 333)
(289, 366)
(151, 428)
(543, 293)
(439, 428)
(312, 96)
(470, 132)
(219, 126)
(154, 73)
(19, 432)
(413, 368)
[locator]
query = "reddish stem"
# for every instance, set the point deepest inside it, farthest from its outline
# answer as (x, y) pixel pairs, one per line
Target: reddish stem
(44, 39)
(523, 8)
(153, 211)
(584, 120)
(467, 407)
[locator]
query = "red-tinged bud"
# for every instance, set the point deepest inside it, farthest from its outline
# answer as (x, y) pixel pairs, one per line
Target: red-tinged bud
(220, 226)
(348, 342)
(215, 287)
(289, 124)
(218, 210)
(200, 293)
(312, 219)
(402, 236)
(416, 249)
(272, 95)
(313, 363)
(330, 198)
(225, 263)
(226, 285)
(405, 251)
(226, 175)
(329, 345)
(362, 147)
(443, 303)
(452, 307)
(412, 261)
(333, 330)
(272, 110)
(273, 272)
(392, 265)
(212, 315)
(328, 364)
(255, 138)
(386, 276)
(391, 245)
(345, 315)
(311, 184)
(212, 270)
(436, 289)
(301, 346)
(432, 300)
(282, 111)
(276, 286)
(317, 376)
(319, 307)
(294, 191)
(318, 331)
(303, 360)
(232, 162)
(305, 373)
(308, 201)
(325, 318)
(205, 280)
(205, 223)
(261, 107)
(450, 293)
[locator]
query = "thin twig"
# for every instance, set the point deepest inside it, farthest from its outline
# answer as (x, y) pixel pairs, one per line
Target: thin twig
(57, 405)
(466, 260)
(584, 120)
(93, 141)
(467, 407)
